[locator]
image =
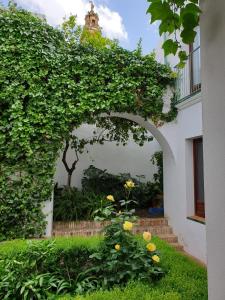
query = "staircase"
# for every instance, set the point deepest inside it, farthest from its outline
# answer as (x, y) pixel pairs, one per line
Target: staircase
(158, 227)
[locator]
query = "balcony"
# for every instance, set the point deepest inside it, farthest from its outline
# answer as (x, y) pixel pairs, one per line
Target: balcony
(189, 78)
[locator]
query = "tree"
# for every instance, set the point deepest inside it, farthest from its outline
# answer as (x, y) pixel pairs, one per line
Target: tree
(177, 18)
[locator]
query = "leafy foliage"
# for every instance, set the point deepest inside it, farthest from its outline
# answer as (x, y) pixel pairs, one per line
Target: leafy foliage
(71, 204)
(48, 87)
(157, 160)
(176, 16)
(26, 277)
(103, 183)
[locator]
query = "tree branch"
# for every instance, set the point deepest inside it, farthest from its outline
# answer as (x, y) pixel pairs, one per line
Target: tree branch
(64, 156)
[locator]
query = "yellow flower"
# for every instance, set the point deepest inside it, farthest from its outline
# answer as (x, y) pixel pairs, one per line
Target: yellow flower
(151, 247)
(110, 198)
(117, 247)
(120, 212)
(155, 258)
(147, 236)
(127, 225)
(129, 184)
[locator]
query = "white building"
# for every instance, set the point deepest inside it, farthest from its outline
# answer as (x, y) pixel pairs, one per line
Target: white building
(184, 178)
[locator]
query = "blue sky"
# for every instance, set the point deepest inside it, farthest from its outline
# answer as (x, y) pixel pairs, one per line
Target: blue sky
(125, 20)
(136, 23)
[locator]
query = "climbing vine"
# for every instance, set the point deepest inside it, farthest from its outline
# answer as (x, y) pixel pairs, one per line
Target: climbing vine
(46, 89)
(178, 20)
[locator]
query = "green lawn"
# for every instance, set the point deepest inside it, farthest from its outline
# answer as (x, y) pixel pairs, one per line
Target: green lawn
(184, 279)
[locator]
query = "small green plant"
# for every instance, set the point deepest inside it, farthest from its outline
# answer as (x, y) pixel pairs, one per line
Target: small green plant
(26, 276)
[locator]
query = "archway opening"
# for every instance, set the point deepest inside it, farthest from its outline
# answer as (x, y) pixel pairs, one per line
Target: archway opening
(111, 165)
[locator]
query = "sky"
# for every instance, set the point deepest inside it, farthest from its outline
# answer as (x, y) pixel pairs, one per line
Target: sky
(125, 20)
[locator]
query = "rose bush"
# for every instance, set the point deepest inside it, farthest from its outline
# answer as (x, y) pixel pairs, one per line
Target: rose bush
(121, 256)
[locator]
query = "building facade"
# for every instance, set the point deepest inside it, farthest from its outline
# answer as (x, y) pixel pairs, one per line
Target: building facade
(185, 203)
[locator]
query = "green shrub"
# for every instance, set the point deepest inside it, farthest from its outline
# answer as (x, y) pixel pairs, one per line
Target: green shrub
(103, 183)
(70, 204)
(40, 267)
(157, 160)
(31, 273)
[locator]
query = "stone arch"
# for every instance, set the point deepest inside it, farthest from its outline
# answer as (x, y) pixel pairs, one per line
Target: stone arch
(167, 148)
(168, 157)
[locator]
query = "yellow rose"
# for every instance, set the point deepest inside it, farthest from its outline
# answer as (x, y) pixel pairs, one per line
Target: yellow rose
(151, 247)
(129, 184)
(127, 225)
(155, 258)
(147, 236)
(110, 198)
(117, 247)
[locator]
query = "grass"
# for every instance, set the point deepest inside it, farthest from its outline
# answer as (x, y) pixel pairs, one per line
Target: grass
(184, 279)
(134, 291)
(10, 247)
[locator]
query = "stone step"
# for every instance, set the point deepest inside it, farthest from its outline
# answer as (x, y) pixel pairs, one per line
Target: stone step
(155, 230)
(158, 227)
(177, 246)
(96, 225)
(83, 232)
(169, 238)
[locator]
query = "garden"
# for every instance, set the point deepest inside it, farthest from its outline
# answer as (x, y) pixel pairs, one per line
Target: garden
(118, 264)
(52, 80)
(115, 265)
(57, 269)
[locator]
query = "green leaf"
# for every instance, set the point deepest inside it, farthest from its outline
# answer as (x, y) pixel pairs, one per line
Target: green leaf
(182, 55)
(188, 36)
(170, 47)
(160, 11)
(166, 26)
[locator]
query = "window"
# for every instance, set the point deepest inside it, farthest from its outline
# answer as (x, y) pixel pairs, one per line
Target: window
(195, 64)
(198, 178)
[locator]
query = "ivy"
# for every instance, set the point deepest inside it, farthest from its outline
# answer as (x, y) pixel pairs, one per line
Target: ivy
(48, 86)
(177, 17)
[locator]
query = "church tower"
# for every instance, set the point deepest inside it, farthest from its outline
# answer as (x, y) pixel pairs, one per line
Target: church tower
(91, 20)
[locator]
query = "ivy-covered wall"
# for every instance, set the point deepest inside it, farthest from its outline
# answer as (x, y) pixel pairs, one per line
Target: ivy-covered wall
(46, 89)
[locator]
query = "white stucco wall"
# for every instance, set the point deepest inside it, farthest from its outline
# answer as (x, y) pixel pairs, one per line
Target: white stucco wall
(131, 158)
(213, 89)
(179, 179)
(178, 176)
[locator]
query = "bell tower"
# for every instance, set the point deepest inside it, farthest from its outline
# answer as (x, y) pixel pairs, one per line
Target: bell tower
(91, 20)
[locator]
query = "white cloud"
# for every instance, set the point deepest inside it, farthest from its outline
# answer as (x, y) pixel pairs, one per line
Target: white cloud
(111, 23)
(55, 10)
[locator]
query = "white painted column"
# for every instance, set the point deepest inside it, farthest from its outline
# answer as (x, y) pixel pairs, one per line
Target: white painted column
(213, 90)
(48, 212)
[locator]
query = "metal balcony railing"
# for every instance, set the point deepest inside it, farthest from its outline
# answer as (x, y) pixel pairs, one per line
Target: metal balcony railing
(189, 78)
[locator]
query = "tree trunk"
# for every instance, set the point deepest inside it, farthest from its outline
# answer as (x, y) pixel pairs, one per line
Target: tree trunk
(69, 178)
